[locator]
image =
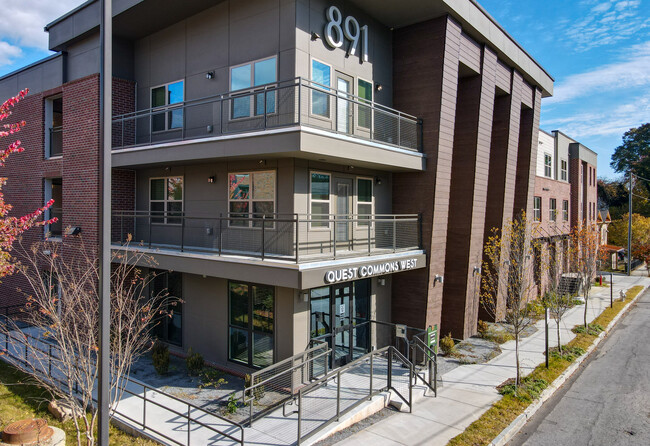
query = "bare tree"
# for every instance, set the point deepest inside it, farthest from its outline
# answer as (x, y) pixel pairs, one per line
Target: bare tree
(509, 271)
(60, 346)
(585, 255)
(556, 298)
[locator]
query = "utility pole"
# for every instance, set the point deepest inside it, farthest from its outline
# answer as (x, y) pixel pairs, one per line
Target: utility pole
(105, 112)
(629, 229)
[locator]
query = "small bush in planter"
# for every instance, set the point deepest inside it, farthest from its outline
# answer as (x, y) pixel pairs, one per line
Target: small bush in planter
(447, 344)
(194, 363)
(160, 357)
(483, 328)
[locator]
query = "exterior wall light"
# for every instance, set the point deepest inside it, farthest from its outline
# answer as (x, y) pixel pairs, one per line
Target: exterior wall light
(314, 36)
(212, 179)
(439, 279)
(73, 230)
(477, 271)
(378, 181)
(379, 87)
(209, 75)
(381, 281)
(305, 296)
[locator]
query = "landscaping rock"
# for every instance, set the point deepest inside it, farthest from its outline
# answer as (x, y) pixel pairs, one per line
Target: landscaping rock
(61, 410)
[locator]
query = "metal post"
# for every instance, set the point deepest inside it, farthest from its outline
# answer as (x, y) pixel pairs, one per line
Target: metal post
(369, 224)
(189, 426)
(629, 228)
(144, 408)
(106, 111)
(435, 375)
(220, 233)
(370, 394)
(338, 395)
(390, 367)
(299, 99)
(299, 414)
(150, 221)
(611, 290)
(297, 239)
(411, 388)
(182, 233)
(334, 237)
(546, 333)
(265, 123)
(394, 234)
(263, 235)
(399, 129)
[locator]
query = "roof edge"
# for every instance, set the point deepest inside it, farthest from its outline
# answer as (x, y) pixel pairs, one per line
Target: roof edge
(31, 65)
(68, 14)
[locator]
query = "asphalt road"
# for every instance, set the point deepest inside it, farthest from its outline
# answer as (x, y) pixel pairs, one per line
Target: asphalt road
(607, 402)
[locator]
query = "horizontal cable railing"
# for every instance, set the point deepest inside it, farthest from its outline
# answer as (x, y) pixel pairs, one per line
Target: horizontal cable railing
(280, 104)
(291, 237)
(46, 363)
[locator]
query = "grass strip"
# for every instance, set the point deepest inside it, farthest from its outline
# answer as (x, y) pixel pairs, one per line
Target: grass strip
(19, 399)
(513, 404)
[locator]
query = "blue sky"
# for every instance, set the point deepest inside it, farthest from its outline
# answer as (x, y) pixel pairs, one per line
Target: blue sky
(598, 51)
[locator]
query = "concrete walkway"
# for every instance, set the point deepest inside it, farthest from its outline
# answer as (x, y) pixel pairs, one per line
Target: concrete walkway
(469, 390)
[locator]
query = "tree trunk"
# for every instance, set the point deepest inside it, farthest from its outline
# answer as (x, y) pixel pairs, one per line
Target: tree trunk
(518, 380)
(585, 314)
(559, 344)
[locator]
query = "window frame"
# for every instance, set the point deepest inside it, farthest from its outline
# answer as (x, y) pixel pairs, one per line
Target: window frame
(251, 200)
(250, 92)
(565, 210)
(537, 212)
(250, 327)
(165, 201)
(548, 165)
(358, 223)
(328, 201)
(552, 209)
(47, 196)
(164, 320)
(564, 170)
(167, 104)
(326, 92)
(370, 103)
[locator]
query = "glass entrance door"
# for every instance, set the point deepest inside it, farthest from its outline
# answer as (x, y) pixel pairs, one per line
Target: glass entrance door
(343, 105)
(342, 299)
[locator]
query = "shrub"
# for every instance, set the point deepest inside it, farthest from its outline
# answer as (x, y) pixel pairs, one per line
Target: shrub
(447, 344)
(232, 405)
(483, 328)
(593, 329)
(211, 378)
(194, 363)
(160, 357)
(536, 308)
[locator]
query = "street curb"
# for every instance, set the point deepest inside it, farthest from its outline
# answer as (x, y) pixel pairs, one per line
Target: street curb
(519, 422)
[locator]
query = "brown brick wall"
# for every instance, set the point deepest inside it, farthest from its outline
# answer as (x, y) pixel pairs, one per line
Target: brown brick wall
(547, 188)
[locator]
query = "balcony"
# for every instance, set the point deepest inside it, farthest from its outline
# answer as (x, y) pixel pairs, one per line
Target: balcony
(297, 104)
(293, 238)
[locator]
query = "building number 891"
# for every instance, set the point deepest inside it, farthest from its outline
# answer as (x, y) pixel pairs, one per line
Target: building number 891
(337, 29)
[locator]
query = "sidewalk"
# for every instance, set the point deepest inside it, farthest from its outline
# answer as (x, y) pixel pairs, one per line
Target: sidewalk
(469, 390)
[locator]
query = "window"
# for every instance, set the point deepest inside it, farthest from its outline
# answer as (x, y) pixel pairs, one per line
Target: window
(251, 323)
(53, 127)
(552, 209)
(251, 192)
(364, 91)
(162, 96)
(247, 77)
(564, 172)
(319, 207)
(537, 208)
(565, 210)
(320, 102)
(548, 161)
(169, 328)
(54, 191)
(166, 199)
(364, 200)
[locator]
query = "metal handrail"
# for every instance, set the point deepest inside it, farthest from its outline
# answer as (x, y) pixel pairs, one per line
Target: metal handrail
(190, 407)
(385, 124)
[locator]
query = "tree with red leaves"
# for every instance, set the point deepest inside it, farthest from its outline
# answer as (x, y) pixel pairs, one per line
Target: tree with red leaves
(12, 227)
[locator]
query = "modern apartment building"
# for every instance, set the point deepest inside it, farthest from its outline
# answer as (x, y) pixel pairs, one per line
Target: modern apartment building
(565, 191)
(297, 166)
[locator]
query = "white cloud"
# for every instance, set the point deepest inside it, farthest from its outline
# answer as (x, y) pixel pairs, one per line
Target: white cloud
(22, 22)
(8, 52)
(632, 71)
(606, 23)
(612, 122)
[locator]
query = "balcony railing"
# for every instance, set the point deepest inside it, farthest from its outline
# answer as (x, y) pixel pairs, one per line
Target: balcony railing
(282, 104)
(295, 238)
(56, 141)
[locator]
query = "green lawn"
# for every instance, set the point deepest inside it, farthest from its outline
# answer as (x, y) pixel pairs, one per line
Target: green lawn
(19, 401)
